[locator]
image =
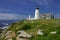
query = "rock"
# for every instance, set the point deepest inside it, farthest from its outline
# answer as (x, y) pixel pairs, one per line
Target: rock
(2, 36)
(54, 32)
(16, 28)
(9, 34)
(40, 32)
(21, 38)
(22, 35)
(9, 39)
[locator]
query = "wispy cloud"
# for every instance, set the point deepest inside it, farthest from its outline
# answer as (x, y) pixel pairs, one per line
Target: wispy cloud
(7, 16)
(3, 10)
(41, 2)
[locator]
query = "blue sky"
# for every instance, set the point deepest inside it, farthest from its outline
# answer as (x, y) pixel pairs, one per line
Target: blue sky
(20, 9)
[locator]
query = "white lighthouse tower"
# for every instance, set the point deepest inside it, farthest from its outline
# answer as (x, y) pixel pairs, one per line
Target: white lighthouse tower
(37, 15)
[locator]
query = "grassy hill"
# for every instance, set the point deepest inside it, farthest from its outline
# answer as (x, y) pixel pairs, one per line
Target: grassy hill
(33, 26)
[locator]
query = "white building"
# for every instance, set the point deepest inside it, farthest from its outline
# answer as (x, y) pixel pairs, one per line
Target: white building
(37, 15)
(40, 16)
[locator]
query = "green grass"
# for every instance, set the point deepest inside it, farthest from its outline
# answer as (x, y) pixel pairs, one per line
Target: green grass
(33, 26)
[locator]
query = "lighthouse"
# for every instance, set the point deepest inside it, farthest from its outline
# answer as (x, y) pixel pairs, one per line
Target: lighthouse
(37, 15)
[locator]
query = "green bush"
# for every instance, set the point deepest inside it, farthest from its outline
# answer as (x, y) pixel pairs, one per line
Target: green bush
(13, 38)
(25, 27)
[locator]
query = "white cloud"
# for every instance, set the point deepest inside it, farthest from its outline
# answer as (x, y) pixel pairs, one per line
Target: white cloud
(41, 2)
(7, 16)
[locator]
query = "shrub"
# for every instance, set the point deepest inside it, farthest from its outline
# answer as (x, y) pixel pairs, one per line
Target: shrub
(13, 38)
(25, 27)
